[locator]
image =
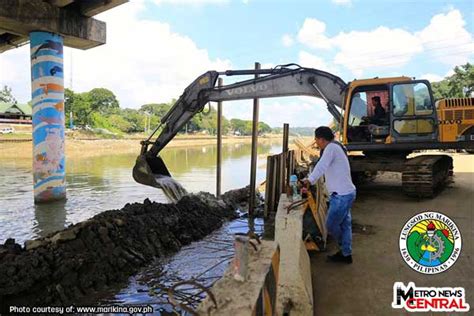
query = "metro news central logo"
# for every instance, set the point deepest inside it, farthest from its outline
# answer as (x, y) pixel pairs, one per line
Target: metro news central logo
(425, 299)
(430, 242)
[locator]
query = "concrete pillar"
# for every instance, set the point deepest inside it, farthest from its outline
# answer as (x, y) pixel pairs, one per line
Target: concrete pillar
(47, 89)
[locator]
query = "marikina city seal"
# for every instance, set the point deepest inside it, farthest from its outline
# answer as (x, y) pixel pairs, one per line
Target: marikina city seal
(430, 242)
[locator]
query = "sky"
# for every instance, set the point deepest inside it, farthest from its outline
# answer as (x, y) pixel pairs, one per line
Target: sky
(155, 48)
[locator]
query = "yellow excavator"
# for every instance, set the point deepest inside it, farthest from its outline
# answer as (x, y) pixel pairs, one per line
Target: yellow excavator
(381, 121)
(456, 120)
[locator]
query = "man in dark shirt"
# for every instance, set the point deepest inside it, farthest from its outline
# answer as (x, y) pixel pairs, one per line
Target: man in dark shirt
(379, 117)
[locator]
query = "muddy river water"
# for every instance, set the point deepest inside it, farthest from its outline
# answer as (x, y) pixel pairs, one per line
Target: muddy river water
(102, 183)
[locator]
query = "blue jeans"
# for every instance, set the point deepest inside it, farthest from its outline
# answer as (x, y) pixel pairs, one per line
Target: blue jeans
(339, 220)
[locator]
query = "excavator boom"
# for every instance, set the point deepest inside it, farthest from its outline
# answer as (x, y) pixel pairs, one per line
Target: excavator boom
(287, 80)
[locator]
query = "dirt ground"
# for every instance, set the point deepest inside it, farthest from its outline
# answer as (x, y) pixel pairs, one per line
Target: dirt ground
(366, 286)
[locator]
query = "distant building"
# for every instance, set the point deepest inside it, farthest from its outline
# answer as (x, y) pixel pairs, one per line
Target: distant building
(15, 113)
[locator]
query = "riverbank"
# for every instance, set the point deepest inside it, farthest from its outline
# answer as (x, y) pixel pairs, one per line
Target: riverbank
(85, 148)
(72, 265)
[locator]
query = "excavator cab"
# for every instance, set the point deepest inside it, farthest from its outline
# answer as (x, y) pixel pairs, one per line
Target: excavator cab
(413, 115)
(389, 110)
(369, 114)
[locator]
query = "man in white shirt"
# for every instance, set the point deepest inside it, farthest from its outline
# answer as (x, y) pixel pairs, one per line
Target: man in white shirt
(334, 165)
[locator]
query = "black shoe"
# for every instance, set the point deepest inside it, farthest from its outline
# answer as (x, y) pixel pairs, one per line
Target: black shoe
(339, 257)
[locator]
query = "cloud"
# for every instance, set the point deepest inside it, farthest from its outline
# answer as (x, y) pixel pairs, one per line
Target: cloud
(312, 34)
(445, 39)
(15, 72)
(143, 61)
(435, 77)
(342, 2)
(431, 77)
(287, 40)
(296, 111)
(306, 59)
(359, 50)
(380, 48)
(299, 111)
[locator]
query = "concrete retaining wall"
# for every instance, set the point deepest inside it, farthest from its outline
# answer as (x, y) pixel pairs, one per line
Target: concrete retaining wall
(255, 296)
(294, 286)
(288, 264)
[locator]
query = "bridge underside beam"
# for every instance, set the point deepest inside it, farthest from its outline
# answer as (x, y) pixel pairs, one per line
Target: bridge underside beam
(73, 22)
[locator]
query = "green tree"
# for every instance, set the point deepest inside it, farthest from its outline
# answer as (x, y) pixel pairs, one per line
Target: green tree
(209, 121)
(82, 105)
(195, 124)
(225, 125)
(68, 104)
(6, 95)
(102, 100)
(119, 122)
(459, 85)
(264, 128)
(157, 109)
(440, 89)
(244, 127)
(135, 119)
(238, 126)
(81, 109)
(203, 121)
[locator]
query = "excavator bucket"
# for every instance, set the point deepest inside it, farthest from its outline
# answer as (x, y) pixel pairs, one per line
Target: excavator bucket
(148, 170)
(152, 171)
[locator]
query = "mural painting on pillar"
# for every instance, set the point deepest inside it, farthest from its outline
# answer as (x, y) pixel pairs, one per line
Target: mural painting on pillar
(47, 84)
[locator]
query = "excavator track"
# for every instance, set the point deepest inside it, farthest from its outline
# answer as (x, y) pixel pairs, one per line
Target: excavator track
(424, 176)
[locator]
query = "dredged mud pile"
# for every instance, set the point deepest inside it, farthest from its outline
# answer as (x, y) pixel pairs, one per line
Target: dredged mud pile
(70, 265)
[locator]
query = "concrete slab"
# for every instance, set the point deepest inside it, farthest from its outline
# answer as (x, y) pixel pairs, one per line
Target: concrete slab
(71, 19)
(252, 297)
(294, 283)
(366, 286)
(94, 7)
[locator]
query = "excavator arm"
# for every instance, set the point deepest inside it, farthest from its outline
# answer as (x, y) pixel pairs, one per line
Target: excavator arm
(288, 80)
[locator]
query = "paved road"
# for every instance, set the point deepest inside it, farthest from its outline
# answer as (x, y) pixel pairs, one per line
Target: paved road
(366, 286)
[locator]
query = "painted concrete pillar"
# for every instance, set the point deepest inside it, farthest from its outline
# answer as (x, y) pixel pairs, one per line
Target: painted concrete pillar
(47, 88)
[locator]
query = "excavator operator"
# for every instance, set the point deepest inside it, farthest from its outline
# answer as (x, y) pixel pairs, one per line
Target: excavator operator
(379, 112)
